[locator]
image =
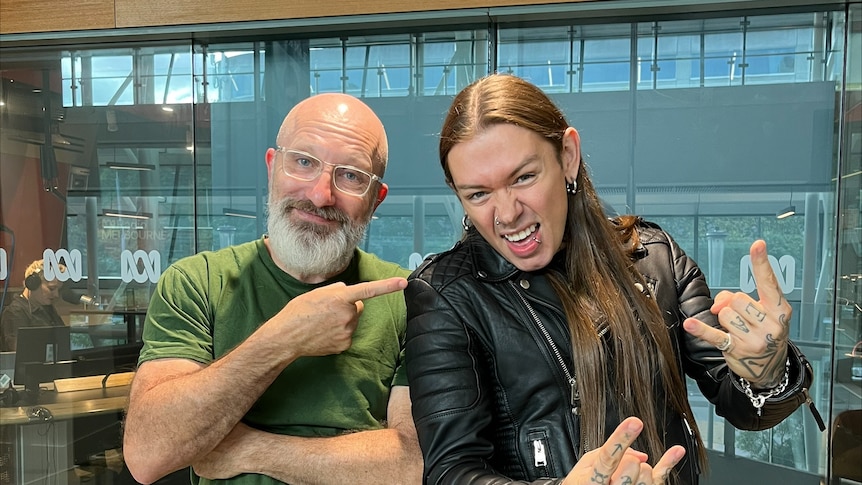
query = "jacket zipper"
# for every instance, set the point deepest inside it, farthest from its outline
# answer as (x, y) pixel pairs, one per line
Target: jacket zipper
(692, 441)
(570, 376)
(575, 400)
(540, 459)
(805, 394)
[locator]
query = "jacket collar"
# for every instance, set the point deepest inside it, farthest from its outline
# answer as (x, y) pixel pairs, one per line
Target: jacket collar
(488, 264)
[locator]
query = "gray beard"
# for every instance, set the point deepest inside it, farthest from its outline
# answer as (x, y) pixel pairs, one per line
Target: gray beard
(307, 249)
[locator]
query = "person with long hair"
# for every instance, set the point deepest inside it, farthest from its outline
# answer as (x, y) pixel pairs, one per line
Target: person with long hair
(551, 343)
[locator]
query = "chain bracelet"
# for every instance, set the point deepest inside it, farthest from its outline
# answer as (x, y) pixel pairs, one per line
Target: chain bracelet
(759, 399)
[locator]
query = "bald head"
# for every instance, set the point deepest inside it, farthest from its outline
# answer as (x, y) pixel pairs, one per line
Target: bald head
(344, 117)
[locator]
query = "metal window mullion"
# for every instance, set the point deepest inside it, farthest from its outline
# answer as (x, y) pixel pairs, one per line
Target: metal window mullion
(493, 44)
(581, 64)
(344, 64)
(86, 84)
(744, 64)
(168, 79)
(654, 64)
(571, 68)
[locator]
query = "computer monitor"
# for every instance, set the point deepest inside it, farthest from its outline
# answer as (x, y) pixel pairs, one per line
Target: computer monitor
(37, 350)
(7, 363)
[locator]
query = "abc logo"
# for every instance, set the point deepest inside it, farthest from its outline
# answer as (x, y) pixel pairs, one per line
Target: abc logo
(71, 259)
(784, 269)
(151, 262)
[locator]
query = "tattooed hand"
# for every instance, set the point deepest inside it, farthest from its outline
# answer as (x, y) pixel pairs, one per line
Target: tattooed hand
(617, 464)
(754, 339)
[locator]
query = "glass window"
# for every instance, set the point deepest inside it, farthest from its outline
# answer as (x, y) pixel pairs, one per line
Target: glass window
(132, 155)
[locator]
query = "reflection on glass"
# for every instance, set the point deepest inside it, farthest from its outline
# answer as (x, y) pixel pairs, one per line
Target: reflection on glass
(733, 117)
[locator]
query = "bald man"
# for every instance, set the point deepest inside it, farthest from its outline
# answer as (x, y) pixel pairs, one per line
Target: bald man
(280, 360)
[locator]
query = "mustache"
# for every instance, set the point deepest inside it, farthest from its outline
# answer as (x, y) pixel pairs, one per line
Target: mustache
(328, 213)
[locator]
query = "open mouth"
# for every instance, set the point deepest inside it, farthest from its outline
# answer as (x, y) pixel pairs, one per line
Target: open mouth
(520, 236)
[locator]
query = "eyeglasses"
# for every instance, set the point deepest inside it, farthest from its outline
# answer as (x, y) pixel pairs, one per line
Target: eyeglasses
(307, 167)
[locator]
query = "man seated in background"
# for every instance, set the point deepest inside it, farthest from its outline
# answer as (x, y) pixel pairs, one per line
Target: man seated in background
(33, 307)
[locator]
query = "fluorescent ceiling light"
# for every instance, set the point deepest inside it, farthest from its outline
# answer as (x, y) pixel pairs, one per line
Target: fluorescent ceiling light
(126, 214)
(239, 213)
(144, 167)
(786, 212)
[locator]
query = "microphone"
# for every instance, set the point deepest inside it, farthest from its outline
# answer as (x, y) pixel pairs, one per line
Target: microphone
(70, 296)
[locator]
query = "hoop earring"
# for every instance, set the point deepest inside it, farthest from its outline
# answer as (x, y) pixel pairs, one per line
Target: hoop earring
(572, 187)
(466, 223)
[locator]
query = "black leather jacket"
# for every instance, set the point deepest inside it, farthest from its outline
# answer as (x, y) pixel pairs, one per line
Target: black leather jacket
(491, 402)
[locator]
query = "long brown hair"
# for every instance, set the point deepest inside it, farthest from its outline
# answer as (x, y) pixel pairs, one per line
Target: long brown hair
(599, 288)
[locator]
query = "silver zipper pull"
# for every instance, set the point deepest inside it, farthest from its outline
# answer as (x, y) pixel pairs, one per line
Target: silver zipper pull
(576, 397)
(539, 453)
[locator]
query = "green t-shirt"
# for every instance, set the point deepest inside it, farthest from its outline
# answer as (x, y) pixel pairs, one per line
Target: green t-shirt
(207, 304)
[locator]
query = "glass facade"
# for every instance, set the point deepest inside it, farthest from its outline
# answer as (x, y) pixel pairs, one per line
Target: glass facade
(119, 158)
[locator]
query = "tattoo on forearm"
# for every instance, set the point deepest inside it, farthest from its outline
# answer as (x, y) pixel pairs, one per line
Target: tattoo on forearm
(599, 478)
(739, 323)
(754, 312)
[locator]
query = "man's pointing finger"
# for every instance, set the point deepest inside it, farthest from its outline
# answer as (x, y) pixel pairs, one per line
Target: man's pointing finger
(370, 289)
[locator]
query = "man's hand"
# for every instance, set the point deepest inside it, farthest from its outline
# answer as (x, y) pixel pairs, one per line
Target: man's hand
(322, 321)
(616, 463)
(389, 455)
(755, 341)
(232, 456)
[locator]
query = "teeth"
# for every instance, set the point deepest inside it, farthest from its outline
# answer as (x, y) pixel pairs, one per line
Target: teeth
(520, 236)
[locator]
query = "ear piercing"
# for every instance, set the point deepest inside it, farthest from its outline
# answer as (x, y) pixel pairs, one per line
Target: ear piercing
(572, 187)
(496, 221)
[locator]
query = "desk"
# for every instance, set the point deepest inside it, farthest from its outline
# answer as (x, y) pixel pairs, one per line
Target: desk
(47, 450)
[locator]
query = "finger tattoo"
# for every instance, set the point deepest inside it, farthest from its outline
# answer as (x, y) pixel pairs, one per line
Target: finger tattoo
(617, 448)
(599, 478)
(626, 480)
(754, 312)
(739, 323)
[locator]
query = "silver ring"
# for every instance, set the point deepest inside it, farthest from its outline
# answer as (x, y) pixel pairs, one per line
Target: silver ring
(726, 344)
(496, 221)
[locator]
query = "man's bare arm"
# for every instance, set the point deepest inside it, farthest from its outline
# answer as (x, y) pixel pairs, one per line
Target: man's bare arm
(180, 410)
(390, 455)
